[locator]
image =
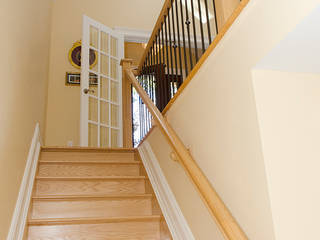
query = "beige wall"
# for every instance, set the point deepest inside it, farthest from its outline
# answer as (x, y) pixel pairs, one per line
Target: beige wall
(288, 113)
(216, 114)
(134, 51)
(194, 210)
(64, 101)
(24, 44)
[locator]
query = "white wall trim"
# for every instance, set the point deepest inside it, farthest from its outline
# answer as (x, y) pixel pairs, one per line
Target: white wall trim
(19, 218)
(143, 36)
(177, 224)
(134, 35)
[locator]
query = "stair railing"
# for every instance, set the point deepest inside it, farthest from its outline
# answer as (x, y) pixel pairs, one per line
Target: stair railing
(226, 222)
(184, 35)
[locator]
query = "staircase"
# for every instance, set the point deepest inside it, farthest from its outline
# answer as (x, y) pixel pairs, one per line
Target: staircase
(94, 194)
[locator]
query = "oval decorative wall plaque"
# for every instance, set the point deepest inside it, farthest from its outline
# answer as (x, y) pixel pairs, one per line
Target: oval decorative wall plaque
(75, 56)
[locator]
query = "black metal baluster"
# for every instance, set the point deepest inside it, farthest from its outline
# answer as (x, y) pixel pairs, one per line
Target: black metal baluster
(156, 60)
(168, 68)
(208, 20)
(154, 72)
(156, 89)
(151, 66)
(142, 119)
(188, 31)
(159, 62)
(149, 63)
(146, 88)
(201, 28)
(174, 42)
(171, 50)
(143, 113)
(159, 85)
(145, 109)
(159, 48)
(140, 113)
(163, 50)
(148, 72)
(148, 83)
(178, 31)
(133, 130)
(215, 16)
(163, 70)
(140, 125)
(151, 75)
(148, 80)
(184, 40)
(194, 32)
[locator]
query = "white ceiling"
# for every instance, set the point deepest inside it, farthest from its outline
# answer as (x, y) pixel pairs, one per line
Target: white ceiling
(300, 50)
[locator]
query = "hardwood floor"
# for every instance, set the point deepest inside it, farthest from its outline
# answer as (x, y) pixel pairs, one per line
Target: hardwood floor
(93, 194)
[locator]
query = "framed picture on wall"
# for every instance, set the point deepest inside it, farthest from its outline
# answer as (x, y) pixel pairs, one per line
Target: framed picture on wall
(75, 78)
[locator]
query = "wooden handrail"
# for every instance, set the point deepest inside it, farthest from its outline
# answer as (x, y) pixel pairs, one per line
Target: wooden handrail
(167, 4)
(226, 222)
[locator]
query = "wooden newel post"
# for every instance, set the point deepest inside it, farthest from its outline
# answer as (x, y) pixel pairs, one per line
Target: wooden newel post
(126, 104)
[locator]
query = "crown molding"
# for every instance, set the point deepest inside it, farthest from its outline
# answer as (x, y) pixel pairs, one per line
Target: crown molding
(133, 35)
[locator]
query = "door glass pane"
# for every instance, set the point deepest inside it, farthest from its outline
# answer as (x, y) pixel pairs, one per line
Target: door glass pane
(104, 42)
(93, 109)
(114, 68)
(114, 47)
(93, 135)
(93, 84)
(104, 88)
(114, 138)
(114, 115)
(94, 60)
(104, 64)
(114, 91)
(104, 112)
(104, 136)
(94, 36)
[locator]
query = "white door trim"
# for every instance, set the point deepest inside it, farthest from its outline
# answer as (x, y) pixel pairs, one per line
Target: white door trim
(134, 35)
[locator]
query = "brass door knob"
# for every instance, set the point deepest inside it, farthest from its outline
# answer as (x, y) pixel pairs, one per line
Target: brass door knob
(86, 91)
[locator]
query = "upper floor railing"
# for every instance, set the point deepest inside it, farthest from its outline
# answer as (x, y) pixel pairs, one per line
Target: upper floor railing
(182, 34)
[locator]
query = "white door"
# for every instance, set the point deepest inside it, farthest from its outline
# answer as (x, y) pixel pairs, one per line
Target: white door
(101, 95)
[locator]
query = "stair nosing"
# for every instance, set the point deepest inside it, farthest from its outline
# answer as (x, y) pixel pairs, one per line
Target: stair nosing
(91, 178)
(76, 221)
(92, 162)
(90, 197)
(87, 149)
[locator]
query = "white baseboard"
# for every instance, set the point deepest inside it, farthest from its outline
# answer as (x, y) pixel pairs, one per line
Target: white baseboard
(177, 224)
(19, 218)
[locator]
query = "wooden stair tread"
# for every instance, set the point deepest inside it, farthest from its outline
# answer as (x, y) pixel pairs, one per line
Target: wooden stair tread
(92, 192)
(81, 197)
(86, 149)
(92, 178)
(92, 162)
(65, 221)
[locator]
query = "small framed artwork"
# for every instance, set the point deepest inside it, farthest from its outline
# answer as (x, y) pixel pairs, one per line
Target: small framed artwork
(75, 78)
